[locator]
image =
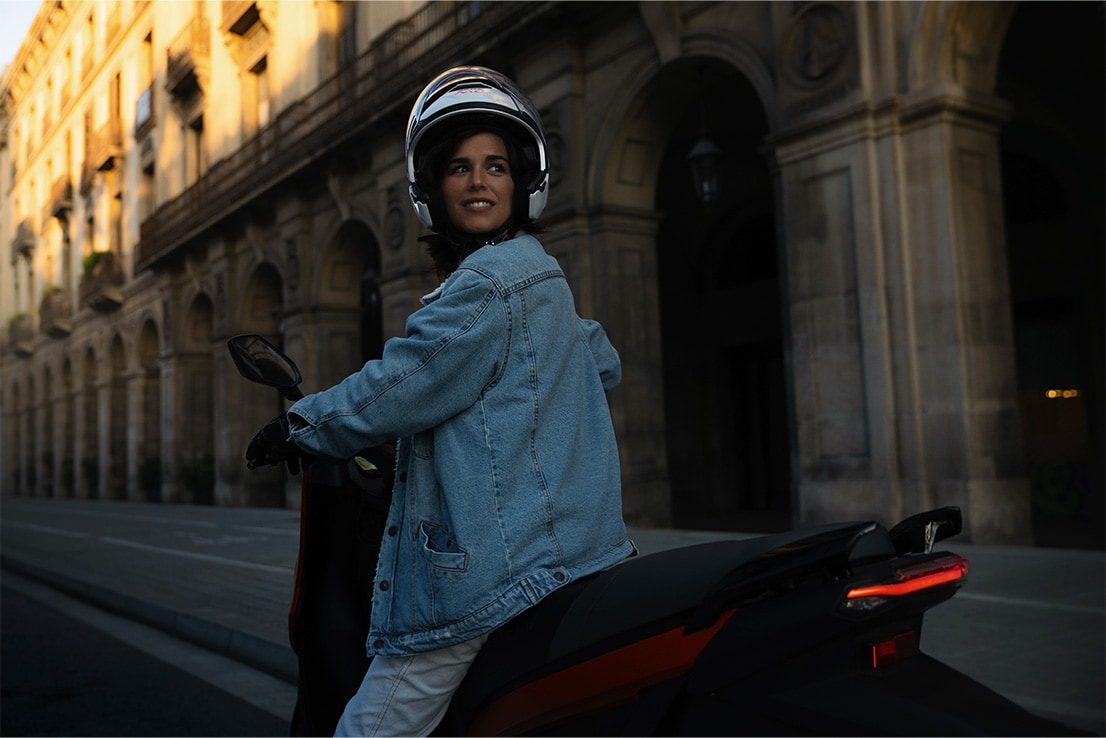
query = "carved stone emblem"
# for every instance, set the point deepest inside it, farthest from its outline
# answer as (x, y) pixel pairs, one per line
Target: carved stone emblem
(818, 44)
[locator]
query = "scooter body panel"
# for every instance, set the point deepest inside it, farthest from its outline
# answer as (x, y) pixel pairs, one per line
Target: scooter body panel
(809, 632)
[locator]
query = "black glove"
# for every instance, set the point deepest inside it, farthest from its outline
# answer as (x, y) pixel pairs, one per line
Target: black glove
(271, 446)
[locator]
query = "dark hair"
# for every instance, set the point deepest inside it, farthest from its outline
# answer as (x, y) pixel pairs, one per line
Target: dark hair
(450, 246)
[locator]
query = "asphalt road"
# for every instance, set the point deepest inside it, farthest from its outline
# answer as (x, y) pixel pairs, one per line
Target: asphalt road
(1030, 623)
(71, 670)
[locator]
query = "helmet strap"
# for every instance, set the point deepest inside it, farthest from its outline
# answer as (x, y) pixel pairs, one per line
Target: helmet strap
(466, 243)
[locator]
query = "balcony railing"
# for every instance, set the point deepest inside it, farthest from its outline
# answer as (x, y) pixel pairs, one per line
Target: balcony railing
(24, 242)
(106, 145)
(188, 58)
(54, 315)
(101, 286)
(61, 197)
(387, 75)
(239, 16)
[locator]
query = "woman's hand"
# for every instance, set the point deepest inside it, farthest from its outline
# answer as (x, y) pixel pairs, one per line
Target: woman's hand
(271, 446)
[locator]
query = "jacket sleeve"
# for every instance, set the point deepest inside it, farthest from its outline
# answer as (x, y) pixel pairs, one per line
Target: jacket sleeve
(454, 348)
(606, 357)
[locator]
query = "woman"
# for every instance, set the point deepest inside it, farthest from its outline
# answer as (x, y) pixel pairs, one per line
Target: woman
(507, 483)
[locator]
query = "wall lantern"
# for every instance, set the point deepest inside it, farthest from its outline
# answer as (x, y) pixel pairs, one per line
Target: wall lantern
(705, 160)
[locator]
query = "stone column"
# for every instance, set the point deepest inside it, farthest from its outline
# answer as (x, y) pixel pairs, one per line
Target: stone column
(901, 334)
(830, 183)
(962, 342)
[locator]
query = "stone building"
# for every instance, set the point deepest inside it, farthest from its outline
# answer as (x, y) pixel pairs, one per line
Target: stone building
(881, 290)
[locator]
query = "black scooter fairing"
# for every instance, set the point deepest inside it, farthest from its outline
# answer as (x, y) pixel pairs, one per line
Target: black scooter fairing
(646, 596)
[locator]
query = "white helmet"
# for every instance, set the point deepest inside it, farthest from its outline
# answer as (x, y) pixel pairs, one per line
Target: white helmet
(486, 99)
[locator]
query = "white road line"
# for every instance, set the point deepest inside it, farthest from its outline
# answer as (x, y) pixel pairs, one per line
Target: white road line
(45, 529)
(1043, 604)
(138, 518)
(199, 557)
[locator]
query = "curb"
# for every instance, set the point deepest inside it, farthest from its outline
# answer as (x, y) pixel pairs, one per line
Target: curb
(274, 659)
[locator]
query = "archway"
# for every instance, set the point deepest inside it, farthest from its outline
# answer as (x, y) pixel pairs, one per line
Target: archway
(19, 439)
(196, 431)
(349, 288)
(30, 447)
(149, 456)
(68, 408)
(117, 432)
(263, 306)
(720, 306)
(90, 461)
(46, 450)
(1051, 72)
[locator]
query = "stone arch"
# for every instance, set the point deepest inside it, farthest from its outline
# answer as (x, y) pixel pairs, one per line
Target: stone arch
(149, 452)
(262, 310)
(67, 407)
(649, 105)
(196, 432)
(717, 479)
(348, 290)
(47, 429)
(31, 426)
(9, 433)
(262, 300)
(15, 439)
(89, 463)
(956, 46)
(116, 472)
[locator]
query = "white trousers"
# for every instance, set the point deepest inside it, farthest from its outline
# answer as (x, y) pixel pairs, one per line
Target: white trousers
(407, 695)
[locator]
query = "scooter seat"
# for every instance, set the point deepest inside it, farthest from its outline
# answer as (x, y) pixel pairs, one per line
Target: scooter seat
(637, 598)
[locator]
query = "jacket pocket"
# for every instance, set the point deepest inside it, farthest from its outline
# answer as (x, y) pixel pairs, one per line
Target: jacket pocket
(422, 445)
(441, 551)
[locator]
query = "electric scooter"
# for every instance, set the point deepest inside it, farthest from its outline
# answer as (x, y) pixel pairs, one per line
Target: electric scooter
(814, 631)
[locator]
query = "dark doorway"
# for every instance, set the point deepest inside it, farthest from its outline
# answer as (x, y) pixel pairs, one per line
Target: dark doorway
(721, 321)
(1053, 153)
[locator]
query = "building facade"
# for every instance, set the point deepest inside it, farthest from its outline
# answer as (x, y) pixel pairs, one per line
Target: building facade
(884, 294)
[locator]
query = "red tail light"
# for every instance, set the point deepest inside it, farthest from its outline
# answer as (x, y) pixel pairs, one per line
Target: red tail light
(915, 578)
(907, 580)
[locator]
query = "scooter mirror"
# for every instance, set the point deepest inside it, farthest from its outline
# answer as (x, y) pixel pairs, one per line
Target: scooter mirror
(260, 361)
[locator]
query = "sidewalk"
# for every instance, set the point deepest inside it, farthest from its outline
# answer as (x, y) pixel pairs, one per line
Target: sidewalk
(222, 578)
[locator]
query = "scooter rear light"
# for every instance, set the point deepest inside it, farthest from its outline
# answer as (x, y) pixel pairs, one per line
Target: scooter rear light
(907, 580)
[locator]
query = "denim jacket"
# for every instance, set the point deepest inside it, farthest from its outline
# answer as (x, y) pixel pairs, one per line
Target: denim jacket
(507, 483)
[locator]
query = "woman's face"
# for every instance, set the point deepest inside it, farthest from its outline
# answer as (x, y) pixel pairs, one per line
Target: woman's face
(477, 187)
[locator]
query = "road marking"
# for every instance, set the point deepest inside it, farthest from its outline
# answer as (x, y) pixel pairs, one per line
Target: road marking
(275, 531)
(1045, 605)
(198, 556)
(45, 529)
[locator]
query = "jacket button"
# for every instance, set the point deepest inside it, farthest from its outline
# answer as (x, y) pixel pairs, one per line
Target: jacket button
(378, 644)
(559, 576)
(403, 476)
(391, 530)
(384, 586)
